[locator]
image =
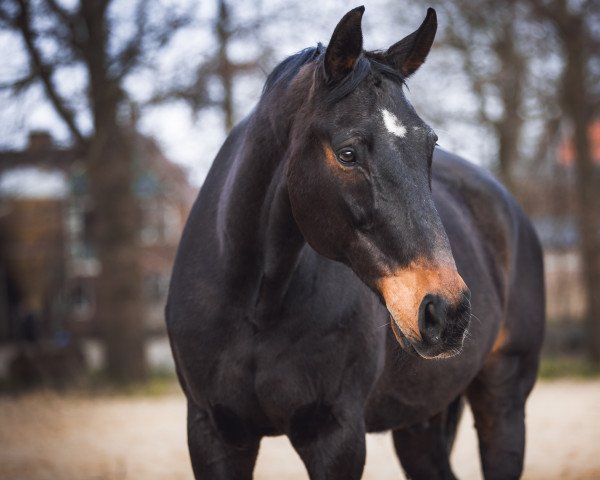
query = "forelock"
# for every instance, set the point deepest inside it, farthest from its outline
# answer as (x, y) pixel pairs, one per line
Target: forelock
(368, 62)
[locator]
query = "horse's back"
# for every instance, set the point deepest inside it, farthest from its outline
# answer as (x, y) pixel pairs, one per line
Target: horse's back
(494, 245)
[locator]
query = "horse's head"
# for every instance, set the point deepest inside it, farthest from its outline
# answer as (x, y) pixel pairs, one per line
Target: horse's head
(359, 181)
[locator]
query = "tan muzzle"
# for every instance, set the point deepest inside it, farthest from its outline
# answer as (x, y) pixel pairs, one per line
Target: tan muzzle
(404, 290)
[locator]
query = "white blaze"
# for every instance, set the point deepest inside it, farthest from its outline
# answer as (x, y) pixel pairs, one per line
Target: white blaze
(392, 123)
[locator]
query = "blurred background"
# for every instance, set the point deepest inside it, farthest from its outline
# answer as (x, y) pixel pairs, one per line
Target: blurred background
(111, 112)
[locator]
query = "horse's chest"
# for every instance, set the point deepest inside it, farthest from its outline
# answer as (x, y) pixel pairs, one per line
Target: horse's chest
(266, 376)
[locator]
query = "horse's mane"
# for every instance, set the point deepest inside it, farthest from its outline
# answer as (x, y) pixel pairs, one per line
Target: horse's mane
(283, 73)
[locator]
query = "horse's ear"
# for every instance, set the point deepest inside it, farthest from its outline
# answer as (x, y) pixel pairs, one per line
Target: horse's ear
(410, 53)
(344, 47)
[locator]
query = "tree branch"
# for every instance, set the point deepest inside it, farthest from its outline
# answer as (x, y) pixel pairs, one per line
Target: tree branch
(128, 57)
(44, 72)
(20, 84)
(67, 19)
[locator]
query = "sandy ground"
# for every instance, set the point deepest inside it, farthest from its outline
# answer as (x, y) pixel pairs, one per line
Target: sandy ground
(46, 436)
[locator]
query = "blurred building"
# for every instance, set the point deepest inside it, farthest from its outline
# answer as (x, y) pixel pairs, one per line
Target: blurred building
(47, 261)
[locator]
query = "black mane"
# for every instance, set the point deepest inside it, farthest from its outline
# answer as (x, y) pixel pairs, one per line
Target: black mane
(283, 73)
(369, 62)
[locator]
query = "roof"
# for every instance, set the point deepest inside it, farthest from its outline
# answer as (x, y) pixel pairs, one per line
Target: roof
(157, 174)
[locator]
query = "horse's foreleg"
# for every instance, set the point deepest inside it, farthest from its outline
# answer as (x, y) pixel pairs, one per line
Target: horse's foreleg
(330, 441)
(213, 457)
(424, 449)
(497, 397)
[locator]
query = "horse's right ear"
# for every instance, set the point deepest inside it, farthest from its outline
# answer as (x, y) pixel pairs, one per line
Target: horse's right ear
(344, 47)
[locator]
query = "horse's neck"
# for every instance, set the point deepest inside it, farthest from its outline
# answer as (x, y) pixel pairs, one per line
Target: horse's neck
(260, 239)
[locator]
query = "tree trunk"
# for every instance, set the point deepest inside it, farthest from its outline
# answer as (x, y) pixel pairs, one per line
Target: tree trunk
(115, 210)
(225, 67)
(587, 183)
(118, 287)
(510, 84)
(508, 134)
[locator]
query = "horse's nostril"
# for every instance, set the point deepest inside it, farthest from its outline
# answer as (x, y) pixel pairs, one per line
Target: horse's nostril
(431, 319)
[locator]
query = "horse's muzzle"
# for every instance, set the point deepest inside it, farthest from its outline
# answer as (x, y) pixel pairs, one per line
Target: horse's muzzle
(442, 328)
(430, 310)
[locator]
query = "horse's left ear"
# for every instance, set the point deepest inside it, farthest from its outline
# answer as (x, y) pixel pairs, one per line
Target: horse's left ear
(410, 53)
(344, 47)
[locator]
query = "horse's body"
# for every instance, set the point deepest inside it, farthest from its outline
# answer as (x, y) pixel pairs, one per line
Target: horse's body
(271, 337)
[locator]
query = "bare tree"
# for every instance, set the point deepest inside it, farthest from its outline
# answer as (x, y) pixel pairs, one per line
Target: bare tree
(488, 39)
(56, 37)
(572, 24)
(503, 47)
(218, 65)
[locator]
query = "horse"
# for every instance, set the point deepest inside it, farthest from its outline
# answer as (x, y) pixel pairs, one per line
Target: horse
(339, 274)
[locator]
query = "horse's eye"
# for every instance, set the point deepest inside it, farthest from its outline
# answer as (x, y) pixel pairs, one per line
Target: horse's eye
(346, 155)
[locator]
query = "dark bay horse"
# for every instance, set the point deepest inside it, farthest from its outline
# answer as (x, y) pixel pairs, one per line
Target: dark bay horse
(339, 274)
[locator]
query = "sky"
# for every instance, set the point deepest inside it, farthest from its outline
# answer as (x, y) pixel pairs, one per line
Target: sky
(193, 140)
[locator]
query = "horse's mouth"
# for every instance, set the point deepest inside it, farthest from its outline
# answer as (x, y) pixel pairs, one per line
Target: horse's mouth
(402, 339)
(451, 348)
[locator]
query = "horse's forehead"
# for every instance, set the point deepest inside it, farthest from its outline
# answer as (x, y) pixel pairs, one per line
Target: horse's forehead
(392, 124)
(380, 108)
(397, 126)
(396, 116)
